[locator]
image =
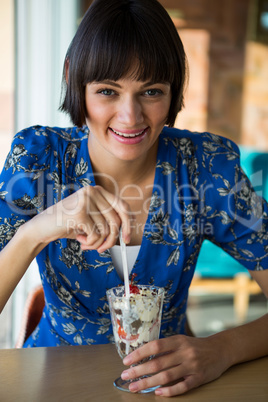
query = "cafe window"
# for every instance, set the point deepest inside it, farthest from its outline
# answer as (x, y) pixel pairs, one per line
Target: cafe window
(261, 21)
(43, 31)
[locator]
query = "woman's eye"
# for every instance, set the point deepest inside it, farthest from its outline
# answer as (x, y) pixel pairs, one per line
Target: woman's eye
(107, 92)
(153, 92)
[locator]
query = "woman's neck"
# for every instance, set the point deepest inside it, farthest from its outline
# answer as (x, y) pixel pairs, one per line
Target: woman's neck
(131, 180)
(110, 171)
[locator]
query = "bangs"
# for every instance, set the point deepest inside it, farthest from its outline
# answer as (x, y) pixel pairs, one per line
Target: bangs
(118, 39)
(127, 48)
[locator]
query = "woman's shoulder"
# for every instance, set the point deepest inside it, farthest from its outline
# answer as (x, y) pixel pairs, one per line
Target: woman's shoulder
(38, 136)
(204, 140)
(206, 147)
(42, 141)
(41, 145)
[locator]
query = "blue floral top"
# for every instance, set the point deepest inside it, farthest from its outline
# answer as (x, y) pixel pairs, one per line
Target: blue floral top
(200, 192)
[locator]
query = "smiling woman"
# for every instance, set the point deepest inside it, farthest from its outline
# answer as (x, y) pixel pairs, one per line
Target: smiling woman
(122, 167)
(122, 48)
(135, 113)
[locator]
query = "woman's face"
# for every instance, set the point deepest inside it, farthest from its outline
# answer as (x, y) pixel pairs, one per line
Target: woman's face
(125, 117)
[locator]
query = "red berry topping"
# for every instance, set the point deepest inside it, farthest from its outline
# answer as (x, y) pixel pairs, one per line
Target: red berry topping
(133, 288)
(122, 335)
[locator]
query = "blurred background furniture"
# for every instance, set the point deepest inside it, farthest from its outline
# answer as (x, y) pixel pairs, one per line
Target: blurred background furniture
(216, 271)
(31, 315)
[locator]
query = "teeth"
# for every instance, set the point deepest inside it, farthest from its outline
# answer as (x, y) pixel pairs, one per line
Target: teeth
(128, 135)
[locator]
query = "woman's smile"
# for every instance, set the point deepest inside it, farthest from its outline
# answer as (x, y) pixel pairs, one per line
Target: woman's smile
(125, 117)
(130, 137)
(128, 133)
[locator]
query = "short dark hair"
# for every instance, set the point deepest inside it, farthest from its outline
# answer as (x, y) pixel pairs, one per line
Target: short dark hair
(111, 37)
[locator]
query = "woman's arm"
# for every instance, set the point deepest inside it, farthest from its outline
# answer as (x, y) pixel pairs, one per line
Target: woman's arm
(92, 216)
(191, 362)
(16, 257)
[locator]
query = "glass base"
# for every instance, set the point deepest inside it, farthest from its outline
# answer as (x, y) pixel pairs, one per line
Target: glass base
(123, 386)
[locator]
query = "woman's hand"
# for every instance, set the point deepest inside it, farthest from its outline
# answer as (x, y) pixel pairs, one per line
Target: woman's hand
(92, 215)
(181, 363)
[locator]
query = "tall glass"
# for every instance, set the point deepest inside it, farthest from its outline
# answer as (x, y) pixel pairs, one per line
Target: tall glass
(136, 321)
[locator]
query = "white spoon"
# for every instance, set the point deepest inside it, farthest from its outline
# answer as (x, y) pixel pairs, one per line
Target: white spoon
(124, 261)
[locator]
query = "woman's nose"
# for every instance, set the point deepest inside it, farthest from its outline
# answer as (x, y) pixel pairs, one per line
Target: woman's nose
(130, 112)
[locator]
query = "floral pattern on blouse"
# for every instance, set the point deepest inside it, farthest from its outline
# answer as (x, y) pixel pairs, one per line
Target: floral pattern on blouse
(200, 192)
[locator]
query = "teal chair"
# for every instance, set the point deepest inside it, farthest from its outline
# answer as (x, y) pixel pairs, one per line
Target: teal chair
(216, 271)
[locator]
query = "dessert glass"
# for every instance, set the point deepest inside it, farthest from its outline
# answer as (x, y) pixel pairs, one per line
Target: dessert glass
(136, 321)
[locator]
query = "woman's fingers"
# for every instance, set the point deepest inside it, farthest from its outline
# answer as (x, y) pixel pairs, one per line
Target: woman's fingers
(186, 362)
(99, 218)
(178, 385)
(172, 380)
(154, 365)
(123, 212)
(179, 388)
(91, 215)
(157, 347)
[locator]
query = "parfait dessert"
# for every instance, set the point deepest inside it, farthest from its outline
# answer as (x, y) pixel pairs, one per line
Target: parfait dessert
(136, 320)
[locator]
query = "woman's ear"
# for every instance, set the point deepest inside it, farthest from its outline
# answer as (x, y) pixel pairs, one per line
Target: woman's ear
(66, 69)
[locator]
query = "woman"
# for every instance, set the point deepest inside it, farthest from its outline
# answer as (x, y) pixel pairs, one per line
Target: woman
(65, 194)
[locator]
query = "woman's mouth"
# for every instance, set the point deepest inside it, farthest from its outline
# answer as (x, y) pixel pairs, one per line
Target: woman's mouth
(129, 137)
(129, 133)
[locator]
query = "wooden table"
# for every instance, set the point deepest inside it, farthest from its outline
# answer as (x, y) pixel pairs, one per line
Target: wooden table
(86, 373)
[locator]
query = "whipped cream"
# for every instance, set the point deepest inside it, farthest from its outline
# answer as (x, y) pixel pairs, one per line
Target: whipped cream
(136, 320)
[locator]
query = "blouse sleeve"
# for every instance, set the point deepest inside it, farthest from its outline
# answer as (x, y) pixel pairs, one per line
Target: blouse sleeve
(237, 215)
(21, 189)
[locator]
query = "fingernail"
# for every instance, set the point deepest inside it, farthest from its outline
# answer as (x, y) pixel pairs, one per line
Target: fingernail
(133, 387)
(158, 391)
(126, 239)
(127, 360)
(125, 375)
